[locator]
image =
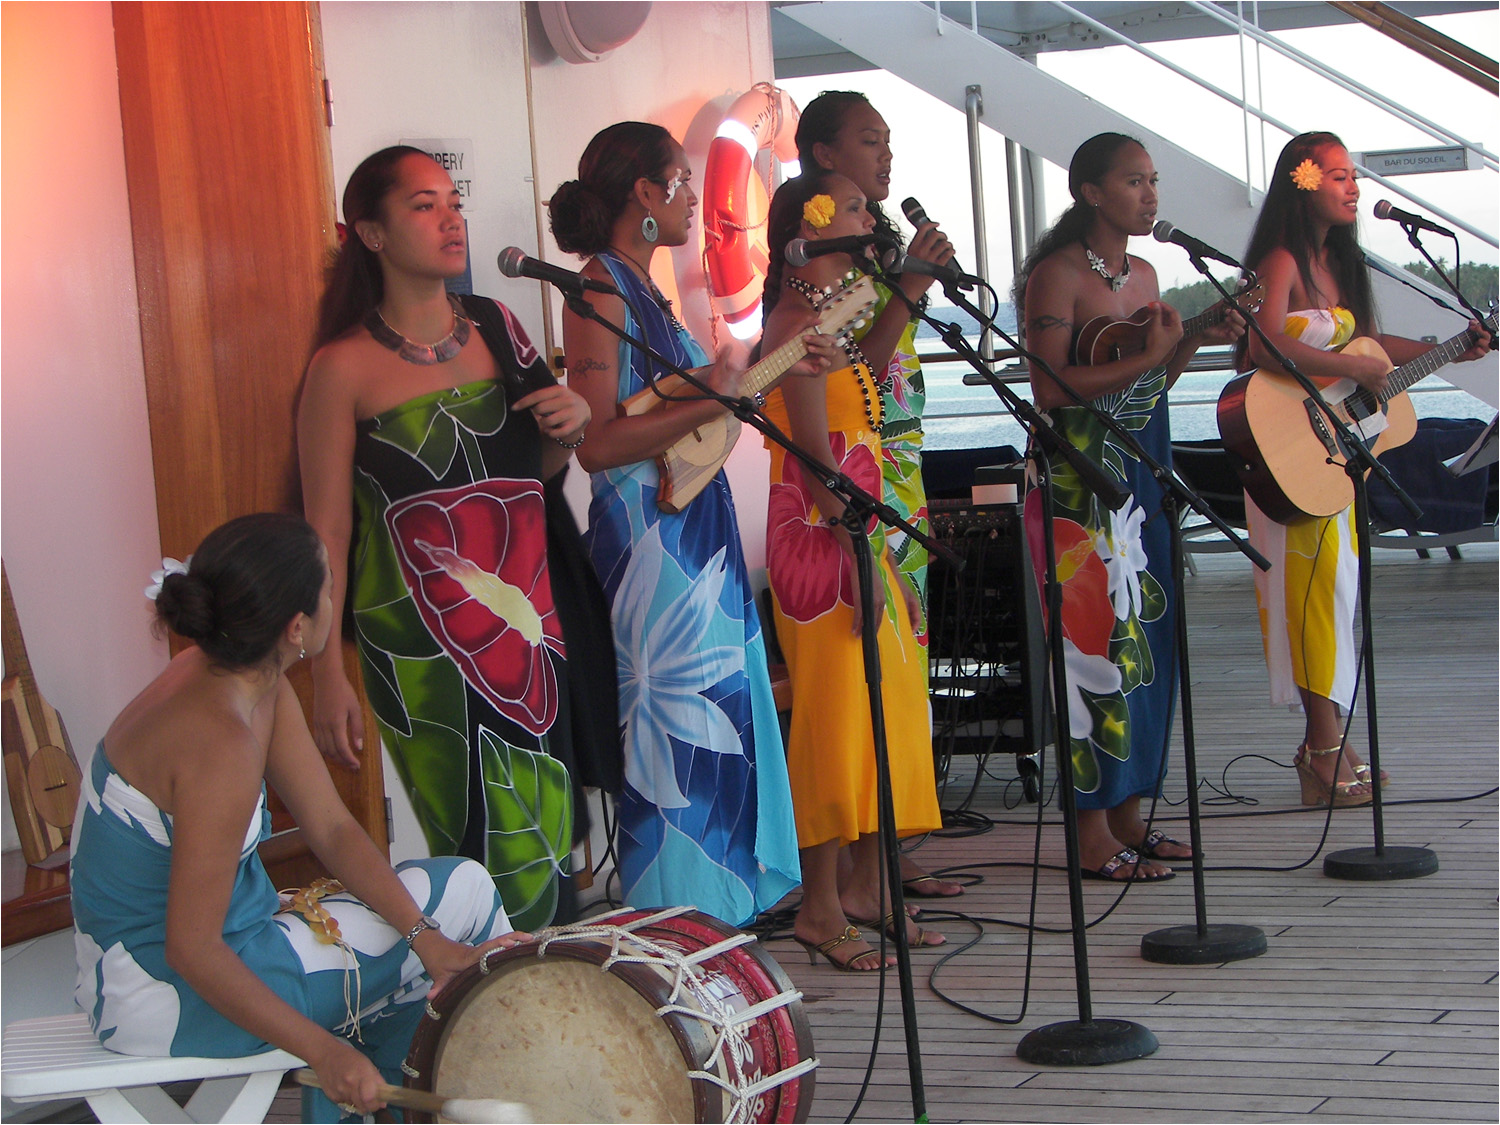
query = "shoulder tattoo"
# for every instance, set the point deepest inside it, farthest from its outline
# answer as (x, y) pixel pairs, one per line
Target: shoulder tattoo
(1043, 323)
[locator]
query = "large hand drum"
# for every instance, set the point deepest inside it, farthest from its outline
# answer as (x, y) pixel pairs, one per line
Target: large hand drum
(633, 1016)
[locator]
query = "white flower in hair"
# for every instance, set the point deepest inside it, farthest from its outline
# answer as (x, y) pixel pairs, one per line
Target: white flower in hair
(168, 566)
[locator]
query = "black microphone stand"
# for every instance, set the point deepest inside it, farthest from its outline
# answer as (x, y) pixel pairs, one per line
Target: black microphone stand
(1086, 1041)
(859, 508)
(1377, 863)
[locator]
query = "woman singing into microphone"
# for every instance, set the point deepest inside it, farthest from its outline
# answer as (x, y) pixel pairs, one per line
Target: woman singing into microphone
(705, 816)
(1305, 248)
(1114, 566)
(840, 131)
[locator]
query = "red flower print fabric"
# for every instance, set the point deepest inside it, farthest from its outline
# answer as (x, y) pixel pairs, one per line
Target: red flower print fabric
(808, 568)
(476, 559)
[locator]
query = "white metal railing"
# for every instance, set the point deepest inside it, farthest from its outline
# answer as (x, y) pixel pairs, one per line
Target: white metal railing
(1380, 101)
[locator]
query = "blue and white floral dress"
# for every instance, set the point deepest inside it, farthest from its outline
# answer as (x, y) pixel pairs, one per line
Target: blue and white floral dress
(369, 989)
(705, 812)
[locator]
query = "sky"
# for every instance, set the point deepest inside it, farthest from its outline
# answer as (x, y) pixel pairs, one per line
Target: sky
(930, 145)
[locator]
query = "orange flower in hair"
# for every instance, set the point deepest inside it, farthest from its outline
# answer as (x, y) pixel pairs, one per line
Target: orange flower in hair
(1307, 175)
(819, 211)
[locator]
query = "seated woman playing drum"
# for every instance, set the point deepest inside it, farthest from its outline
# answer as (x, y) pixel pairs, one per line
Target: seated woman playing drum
(183, 945)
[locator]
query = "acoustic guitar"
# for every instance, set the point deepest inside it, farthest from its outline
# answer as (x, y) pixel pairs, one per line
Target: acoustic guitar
(1105, 339)
(1285, 449)
(692, 461)
(40, 769)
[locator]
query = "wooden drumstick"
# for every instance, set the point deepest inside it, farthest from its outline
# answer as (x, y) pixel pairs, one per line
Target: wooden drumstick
(454, 1109)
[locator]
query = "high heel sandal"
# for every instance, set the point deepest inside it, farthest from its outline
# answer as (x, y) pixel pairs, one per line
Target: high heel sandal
(826, 948)
(1316, 791)
(1361, 772)
(888, 924)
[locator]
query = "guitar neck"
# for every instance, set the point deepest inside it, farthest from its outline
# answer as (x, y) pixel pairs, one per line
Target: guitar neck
(774, 366)
(12, 643)
(1194, 325)
(1428, 362)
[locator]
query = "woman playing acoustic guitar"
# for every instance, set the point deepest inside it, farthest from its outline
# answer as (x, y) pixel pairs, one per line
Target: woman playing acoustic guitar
(1305, 249)
(1117, 592)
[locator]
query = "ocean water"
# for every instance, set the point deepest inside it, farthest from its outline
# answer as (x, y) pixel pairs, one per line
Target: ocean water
(959, 416)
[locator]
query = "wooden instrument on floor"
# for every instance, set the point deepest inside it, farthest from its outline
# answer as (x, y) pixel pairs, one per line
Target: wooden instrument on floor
(692, 461)
(1105, 339)
(40, 770)
(1285, 449)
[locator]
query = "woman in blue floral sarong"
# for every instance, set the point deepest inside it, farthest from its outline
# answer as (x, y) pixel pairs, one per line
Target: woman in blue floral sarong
(705, 812)
(1117, 606)
(183, 946)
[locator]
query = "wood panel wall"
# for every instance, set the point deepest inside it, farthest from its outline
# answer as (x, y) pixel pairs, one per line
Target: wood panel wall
(231, 203)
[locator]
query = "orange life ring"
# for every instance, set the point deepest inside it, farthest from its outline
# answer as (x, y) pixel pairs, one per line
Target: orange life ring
(760, 118)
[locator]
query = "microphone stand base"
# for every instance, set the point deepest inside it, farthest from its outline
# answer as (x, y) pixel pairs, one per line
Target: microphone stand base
(1086, 1043)
(1380, 865)
(1219, 942)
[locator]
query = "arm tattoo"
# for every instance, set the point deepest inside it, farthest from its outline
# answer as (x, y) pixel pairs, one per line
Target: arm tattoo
(584, 366)
(1042, 323)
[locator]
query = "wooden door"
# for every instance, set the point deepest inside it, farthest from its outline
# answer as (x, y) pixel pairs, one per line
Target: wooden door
(231, 203)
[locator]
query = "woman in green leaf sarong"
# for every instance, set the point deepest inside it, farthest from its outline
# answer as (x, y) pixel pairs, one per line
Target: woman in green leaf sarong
(428, 460)
(1114, 566)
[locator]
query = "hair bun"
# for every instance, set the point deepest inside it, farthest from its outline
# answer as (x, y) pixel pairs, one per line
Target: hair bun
(185, 606)
(580, 219)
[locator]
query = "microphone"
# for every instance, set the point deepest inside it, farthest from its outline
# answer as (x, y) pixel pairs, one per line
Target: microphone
(1384, 210)
(513, 262)
(800, 251)
(916, 215)
(1166, 232)
(948, 275)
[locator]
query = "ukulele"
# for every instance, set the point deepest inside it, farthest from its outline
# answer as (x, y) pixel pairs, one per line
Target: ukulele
(40, 770)
(1287, 453)
(687, 466)
(1105, 339)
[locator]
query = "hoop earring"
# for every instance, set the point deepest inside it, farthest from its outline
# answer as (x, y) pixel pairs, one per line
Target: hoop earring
(649, 229)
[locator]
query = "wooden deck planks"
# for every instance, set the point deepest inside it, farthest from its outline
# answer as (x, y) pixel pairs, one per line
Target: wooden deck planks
(1374, 1002)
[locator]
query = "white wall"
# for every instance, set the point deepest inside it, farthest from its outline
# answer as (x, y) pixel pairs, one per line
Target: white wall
(77, 497)
(435, 70)
(682, 71)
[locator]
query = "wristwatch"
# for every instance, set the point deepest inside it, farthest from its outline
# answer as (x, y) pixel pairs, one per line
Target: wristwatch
(426, 922)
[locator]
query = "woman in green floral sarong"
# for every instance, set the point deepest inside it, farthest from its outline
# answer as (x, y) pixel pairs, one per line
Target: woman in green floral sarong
(429, 458)
(1114, 566)
(841, 131)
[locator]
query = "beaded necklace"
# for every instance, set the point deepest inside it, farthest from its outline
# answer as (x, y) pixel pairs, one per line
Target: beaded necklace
(874, 405)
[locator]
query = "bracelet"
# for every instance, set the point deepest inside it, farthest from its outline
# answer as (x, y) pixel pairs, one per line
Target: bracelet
(573, 444)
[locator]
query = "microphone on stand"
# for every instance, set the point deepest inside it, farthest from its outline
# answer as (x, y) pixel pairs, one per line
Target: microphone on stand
(800, 251)
(948, 275)
(1166, 232)
(1384, 210)
(514, 262)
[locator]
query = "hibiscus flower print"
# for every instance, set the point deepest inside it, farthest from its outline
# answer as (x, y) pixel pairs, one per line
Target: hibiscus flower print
(807, 566)
(1124, 556)
(475, 560)
(664, 669)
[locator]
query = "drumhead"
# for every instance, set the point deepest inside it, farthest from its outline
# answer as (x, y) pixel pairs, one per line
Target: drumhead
(569, 1041)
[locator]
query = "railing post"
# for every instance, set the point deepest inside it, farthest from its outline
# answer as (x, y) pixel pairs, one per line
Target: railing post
(973, 111)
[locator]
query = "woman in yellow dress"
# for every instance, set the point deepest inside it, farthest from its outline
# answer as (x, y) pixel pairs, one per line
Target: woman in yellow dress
(836, 417)
(1305, 249)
